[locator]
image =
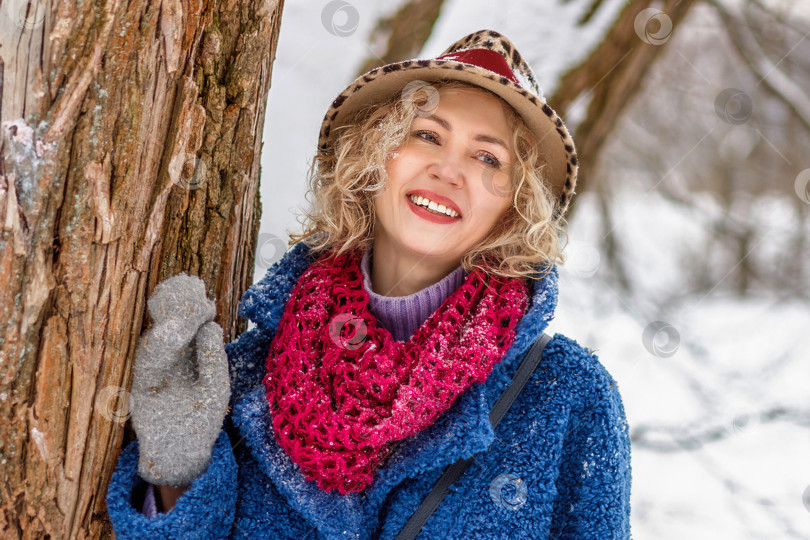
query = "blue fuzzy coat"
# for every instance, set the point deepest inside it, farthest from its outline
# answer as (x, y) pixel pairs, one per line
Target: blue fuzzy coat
(557, 466)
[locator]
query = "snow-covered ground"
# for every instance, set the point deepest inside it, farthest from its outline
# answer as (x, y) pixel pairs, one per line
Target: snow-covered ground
(719, 460)
(711, 464)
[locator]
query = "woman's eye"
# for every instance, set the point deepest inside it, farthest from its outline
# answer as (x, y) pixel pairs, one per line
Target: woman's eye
(491, 160)
(427, 135)
(431, 137)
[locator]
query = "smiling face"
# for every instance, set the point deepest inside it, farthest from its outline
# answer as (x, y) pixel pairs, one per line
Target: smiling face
(460, 156)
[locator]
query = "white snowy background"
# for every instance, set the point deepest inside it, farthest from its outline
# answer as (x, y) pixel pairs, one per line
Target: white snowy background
(735, 359)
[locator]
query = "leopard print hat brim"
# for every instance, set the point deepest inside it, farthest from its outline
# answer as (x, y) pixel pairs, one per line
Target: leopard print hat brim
(486, 59)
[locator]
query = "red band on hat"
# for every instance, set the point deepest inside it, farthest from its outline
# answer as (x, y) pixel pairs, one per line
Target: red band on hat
(484, 58)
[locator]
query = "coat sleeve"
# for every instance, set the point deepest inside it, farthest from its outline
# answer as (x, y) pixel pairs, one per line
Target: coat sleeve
(205, 511)
(207, 508)
(595, 475)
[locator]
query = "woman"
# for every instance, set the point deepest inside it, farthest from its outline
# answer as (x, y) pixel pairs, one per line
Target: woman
(385, 335)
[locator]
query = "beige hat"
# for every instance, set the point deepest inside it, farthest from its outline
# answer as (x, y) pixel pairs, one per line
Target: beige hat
(486, 59)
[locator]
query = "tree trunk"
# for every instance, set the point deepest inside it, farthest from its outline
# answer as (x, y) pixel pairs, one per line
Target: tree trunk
(613, 74)
(405, 32)
(131, 135)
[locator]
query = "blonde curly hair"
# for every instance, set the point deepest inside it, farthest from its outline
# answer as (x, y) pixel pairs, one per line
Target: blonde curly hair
(345, 182)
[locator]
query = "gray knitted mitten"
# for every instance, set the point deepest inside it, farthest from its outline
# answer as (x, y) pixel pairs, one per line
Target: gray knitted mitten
(180, 388)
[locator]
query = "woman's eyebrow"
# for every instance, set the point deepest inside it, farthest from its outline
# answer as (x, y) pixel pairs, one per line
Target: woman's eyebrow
(481, 137)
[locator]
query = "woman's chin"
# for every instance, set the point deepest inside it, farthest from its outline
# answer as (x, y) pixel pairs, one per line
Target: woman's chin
(427, 245)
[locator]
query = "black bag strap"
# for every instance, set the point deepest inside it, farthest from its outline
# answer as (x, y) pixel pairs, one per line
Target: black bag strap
(453, 472)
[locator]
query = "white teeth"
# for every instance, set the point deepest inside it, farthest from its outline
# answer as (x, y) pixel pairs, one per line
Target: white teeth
(421, 201)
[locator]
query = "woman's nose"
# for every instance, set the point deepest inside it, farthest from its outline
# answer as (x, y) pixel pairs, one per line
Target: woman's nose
(448, 166)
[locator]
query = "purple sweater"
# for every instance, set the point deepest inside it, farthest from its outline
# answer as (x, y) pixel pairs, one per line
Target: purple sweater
(400, 315)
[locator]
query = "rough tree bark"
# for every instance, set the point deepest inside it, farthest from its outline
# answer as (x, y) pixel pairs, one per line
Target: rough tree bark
(131, 134)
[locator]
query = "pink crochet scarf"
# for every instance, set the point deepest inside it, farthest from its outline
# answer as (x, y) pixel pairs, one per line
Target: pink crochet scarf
(342, 391)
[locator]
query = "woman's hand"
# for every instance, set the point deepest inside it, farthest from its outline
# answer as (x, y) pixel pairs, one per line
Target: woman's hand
(180, 388)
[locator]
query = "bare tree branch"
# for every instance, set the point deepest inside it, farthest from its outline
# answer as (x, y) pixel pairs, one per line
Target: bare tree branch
(751, 52)
(670, 440)
(608, 80)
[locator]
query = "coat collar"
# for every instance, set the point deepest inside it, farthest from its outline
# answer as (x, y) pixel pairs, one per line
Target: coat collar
(460, 432)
